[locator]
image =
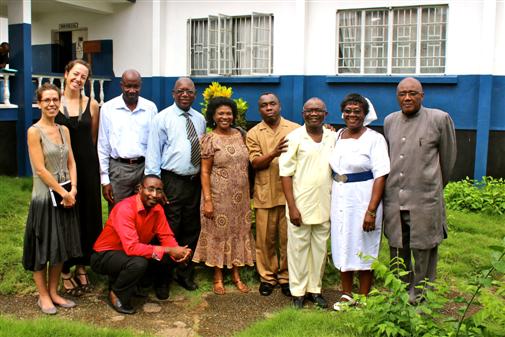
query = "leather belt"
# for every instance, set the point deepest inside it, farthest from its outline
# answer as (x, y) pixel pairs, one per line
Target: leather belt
(352, 177)
(138, 160)
(179, 176)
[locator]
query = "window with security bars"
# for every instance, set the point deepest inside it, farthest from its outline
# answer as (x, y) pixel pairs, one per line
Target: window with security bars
(231, 45)
(409, 40)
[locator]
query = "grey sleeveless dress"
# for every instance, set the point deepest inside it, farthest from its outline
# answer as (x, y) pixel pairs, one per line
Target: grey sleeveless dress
(52, 233)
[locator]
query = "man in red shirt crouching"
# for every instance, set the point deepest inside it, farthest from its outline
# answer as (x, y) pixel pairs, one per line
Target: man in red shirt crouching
(123, 250)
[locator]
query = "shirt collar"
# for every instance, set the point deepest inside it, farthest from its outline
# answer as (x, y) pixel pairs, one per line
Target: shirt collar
(181, 112)
(265, 126)
(122, 105)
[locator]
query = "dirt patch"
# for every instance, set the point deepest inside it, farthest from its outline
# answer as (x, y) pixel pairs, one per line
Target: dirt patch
(183, 315)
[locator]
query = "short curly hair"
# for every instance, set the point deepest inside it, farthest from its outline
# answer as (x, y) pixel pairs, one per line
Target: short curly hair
(214, 104)
(355, 99)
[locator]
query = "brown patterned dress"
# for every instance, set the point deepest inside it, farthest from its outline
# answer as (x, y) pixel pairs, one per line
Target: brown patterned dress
(226, 240)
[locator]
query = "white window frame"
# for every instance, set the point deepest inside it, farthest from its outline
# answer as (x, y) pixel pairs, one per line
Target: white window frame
(224, 51)
(422, 39)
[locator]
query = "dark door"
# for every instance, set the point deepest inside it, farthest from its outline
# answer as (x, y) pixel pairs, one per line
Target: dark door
(63, 52)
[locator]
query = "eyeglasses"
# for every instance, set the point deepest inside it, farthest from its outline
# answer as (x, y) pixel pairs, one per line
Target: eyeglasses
(354, 111)
(152, 189)
(316, 110)
(410, 93)
(48, 101)
(184, 91)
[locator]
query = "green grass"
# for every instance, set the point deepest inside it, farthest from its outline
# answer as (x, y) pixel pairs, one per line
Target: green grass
(307, 323)
(15, 196)
(48, 326)
(462, 256)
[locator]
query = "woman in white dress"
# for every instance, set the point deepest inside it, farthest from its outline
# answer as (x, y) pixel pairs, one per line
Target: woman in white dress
(360, 163)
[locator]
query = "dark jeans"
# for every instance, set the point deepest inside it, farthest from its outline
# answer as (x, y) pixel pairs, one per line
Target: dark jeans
(183, 213)
(126, 272)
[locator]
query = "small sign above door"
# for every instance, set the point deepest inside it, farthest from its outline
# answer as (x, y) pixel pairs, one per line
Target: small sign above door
(71, 25)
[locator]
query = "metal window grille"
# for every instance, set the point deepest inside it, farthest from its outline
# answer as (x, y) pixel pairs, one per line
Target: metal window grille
(224, 45)
(409, 40)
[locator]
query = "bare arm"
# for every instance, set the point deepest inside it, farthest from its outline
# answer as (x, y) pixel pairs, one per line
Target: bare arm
(95, 117)
(208, 207)
(377, 191)
(294, 214)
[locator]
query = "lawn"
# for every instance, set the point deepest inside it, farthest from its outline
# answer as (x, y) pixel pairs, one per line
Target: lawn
(462, 256)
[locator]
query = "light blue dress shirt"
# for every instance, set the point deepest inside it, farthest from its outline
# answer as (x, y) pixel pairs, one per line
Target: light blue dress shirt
(168, 147)
(123, 133)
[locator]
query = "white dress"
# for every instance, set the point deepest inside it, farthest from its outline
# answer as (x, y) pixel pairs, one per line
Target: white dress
(349, 201)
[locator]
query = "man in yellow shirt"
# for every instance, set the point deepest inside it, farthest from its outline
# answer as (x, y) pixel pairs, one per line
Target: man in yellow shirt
(306, 181)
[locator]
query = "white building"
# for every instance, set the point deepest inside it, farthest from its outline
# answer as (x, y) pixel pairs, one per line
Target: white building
(295, 48)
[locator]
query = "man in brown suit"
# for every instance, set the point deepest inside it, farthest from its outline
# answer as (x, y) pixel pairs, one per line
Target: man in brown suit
(422, 148)
(265, 143)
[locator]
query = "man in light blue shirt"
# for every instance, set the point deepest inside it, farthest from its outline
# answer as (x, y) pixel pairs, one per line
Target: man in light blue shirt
(122, 139)
(173, 153)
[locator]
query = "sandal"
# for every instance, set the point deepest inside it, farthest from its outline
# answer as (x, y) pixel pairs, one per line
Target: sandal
(344, 302)
(85, 286)
(73, 289)
(218, 287)
(241, 286)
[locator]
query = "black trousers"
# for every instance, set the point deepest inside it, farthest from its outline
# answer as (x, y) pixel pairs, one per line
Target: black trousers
(183, 212)
(126, 272)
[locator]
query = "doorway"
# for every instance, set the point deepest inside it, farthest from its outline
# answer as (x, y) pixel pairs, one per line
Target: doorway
(67, 45)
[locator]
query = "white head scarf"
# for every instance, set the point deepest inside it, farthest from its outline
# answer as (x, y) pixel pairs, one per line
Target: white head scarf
(370, 116)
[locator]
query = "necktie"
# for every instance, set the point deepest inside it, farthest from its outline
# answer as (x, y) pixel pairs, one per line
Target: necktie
(193, 139)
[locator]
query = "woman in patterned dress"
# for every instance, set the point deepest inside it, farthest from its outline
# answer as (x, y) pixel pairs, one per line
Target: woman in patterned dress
(225, 238)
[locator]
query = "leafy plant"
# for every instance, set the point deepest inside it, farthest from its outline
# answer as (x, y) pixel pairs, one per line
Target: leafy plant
(217, 90)
(387, 311)
(486, 195)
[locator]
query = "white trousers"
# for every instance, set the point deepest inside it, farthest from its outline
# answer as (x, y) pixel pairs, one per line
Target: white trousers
(307, 257)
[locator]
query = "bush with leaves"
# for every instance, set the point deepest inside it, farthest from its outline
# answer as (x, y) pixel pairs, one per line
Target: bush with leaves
(217, 90)
(486, 195)
(387, 311)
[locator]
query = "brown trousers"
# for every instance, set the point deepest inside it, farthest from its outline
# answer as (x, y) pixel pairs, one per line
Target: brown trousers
(271, 244)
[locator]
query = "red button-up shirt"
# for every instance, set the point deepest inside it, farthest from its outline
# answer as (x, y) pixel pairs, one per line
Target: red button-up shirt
(130, 228)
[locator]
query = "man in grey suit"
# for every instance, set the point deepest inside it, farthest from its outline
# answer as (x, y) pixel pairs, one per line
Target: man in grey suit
(422, 148)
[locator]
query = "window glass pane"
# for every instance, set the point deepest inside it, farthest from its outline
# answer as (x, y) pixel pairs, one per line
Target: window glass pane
(241, 46)
(376, 37)
(212, 49)
(261, 44)
(433, 35)
(224, 45)
(349, 45)
(404, 40)
(198, 47)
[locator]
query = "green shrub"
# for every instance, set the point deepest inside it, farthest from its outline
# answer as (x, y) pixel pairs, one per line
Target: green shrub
(486, 195)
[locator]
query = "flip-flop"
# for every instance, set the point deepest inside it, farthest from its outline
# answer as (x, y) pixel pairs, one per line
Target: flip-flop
(345, 301)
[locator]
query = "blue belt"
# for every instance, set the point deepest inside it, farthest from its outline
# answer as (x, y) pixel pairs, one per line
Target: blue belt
(352, 177)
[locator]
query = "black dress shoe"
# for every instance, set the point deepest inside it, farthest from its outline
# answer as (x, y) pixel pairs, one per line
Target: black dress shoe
(116, 304)
(162, 292)
(298, 302)
(266, 288)
(186, 282)
(318, 300)
(285, 289)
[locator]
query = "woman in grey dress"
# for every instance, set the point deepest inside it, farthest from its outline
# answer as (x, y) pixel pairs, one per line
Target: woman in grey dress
(52, 231)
